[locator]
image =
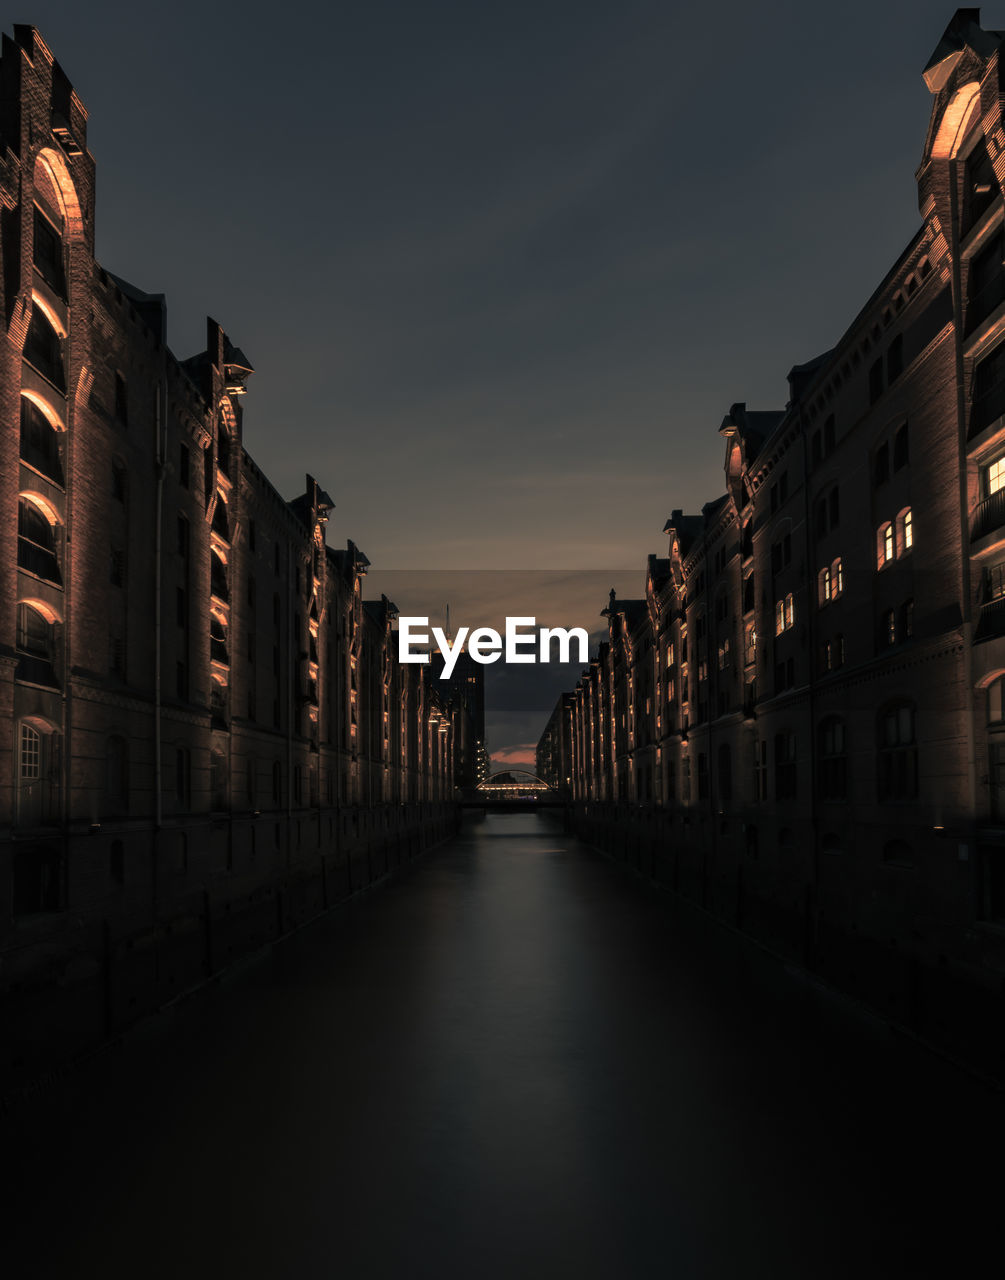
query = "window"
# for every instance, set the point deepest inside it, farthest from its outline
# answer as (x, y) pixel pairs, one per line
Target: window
(905, 532)
(749, 643)
(980, 186)
(785, 766)
(833, 773)
(116, 566)
(824, 586)
(875, 381)
(837, 578)
(994, 476)
(218, 780)
(761, 770)
(36, 543)
(40, 442)
(901, 448)
(881, 465)
(781, 553)
(884, 545)
(218, 577)
(832, 654)
(989, 390)
(121, 406)
(897, 753)
(895, 360)
(986, 288)
(888, 628)
(994, 582)
(118, 482)
(47, 254)
(43, 349)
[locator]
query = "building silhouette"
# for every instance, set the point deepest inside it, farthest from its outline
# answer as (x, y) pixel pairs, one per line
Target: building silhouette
(208, 737)
(802, 725)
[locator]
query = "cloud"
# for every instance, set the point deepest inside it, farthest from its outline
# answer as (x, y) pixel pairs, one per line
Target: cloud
(521, 755)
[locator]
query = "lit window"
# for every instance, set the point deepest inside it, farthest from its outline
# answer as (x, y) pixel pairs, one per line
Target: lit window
(779, 617)
(884, 545)
(790, 613)
(905, 532)
(824, 585)
(837, 578)
(996, 475)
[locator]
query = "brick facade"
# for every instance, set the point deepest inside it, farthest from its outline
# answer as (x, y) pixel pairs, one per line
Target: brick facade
(801, 726)
(208, 740)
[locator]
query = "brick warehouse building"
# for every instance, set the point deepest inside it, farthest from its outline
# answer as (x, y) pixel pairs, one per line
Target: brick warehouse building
(802, 724)
(209, 740)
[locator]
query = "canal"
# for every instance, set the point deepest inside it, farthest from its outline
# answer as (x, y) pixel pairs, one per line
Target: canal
(512, 1061)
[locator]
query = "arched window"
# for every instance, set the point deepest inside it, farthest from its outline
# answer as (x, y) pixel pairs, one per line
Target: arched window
(38, 775)
(221, 520)
(43, 349)
(218, 576)
(824, 585)
(36, 543)
(884, 545)
(40, 442)
(897, 753)
(35, 643)
(905, 532)
(833, 759)
(837, 578)
(218, 640)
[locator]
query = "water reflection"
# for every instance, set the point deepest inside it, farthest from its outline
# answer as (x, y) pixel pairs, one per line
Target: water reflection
(514, 1061)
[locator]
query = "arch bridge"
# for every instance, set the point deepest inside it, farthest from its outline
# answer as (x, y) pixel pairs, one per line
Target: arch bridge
(511, 789)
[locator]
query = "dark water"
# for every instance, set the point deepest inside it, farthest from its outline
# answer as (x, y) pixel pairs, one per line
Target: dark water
(512, 1062)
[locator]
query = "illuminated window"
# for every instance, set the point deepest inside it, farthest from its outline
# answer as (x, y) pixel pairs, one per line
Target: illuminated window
(905, 532)
(824, 585)
(884, 545)
(837, 578)
(790, 612)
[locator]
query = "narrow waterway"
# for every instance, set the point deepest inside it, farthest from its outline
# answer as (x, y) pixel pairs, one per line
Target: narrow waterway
(513, 1061)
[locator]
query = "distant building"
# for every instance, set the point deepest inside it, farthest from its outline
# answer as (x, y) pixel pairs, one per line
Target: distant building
(208, 737)
(464, 693)
(805, 714)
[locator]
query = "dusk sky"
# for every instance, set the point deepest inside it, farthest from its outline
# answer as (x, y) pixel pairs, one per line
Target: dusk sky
(501, 269)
